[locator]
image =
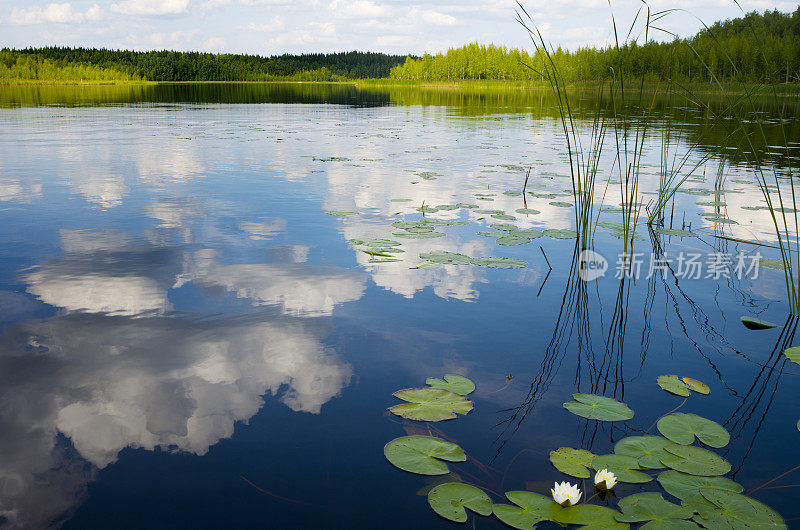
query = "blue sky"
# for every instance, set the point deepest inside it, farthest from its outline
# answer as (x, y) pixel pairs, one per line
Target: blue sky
(269, 27)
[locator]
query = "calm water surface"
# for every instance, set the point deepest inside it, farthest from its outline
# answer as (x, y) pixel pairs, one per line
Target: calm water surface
(190, 340)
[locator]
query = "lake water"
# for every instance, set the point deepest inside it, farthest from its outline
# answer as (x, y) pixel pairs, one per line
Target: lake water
(191, 337)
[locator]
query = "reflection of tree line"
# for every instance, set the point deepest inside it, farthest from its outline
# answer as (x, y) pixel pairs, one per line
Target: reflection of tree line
(603, 373)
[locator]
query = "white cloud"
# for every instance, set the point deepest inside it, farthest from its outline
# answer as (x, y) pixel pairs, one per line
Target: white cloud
(359, 9)
(215, 44)
(151, 7)
(54, 13)
(434, 17)
(273, 24)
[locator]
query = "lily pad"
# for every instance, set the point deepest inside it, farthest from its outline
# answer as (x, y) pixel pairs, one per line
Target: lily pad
(503, 217)
(453, 383)
(625, 468)
(652, 507)
(735, 508)
(430, 404)
(591, 515)
(674, 232)
(682, 428)
(573, 462)
(341, 212)
(756, 323)
(561, 204)
(500, 263)
(375, 242)
(673, 385)
(560, 233)
(513, 240)
(490, 212)
(531, 508)
(526, 232)
(378, 253)
(423, 235)
(493, 234)
(503, 226)
(423, 454)
(527, 211)
(451, 500)
(598, 408)
(512, 193)
(697, 386)
(647, 450)
(695, 461)
(793, 354)
(451, 258)
(687, 487)
(770, 263)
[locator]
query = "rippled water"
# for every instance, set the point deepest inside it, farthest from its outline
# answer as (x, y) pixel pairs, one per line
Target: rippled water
(189, 339)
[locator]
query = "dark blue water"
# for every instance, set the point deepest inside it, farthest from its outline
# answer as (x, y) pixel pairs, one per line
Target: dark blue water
(190, 341)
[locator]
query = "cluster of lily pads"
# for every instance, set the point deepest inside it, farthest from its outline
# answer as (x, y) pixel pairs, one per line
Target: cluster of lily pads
(690, 473)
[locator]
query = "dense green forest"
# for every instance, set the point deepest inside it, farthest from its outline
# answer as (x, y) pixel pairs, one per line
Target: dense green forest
(99, 64)
(751, 49)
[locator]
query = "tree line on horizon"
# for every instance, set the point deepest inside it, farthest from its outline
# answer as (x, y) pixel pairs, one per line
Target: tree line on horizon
(751, 49)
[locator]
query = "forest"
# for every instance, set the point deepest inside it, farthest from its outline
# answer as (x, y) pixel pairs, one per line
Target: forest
(758, 47)
(753, 49)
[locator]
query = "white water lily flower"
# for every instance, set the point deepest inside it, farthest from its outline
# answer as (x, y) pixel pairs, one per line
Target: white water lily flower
(566, 494)
(605, 480)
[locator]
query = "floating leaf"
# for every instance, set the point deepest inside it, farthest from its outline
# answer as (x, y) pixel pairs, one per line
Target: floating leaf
(652, 507)
(423, 235)
(527, 211)
(430, 404)
(573, 462)
(500, 263)
(755, 323)
(674, 232)
(453, 383)
(793, 354)
(735, 508)
(647, 450)
(561, 204)
(589, 514)
(375, 242)
(695, 461)
(503, 226)
(512, 193)
(526, 232)
(377, 253)
(450, 500)
(423, 454)
(682, 428)
(687, 487)
(673, 385)
(770, 263)
(383, 260)
(493, 234)
(503, 217)
(598, 408)
(697, 386)
(531, 508)
(624, 468)
(558, 233)
(341, 212)
(512, 240)
(451, 258)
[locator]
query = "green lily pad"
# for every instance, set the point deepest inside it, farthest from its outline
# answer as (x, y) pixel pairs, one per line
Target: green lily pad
(500, 263)
(377, 253)
(793, 354)
(559, 233)
(341, 212)
(573, 462)
(674, 232)
(527, 211)
(428, 209)
(430, 404)
(682, 428)
(696, 386)
(591, 515)
(721, 220)
(526, 232)
(770, 263)
(493, 234)
(451, 500)
(512, 193)
(503, 226)
(735, 508)
(453, 383)
(423, 235)
(490, 212)
(561, 204)
(651, 506)
(420, 229)
(375, 242)
(687, 487)
(756, 323)
(503, 217)
(531, 508)
(598, 408)
(401, 200)
(384, 260)
(513, 240)
(450, 258)
(542, 195)
(423, 454)
(695, 461)
(673, 385)
(624, 468)
(647, 450)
